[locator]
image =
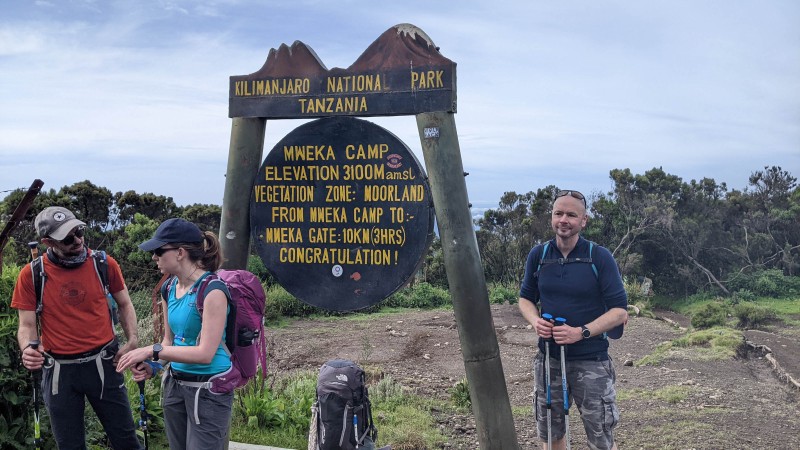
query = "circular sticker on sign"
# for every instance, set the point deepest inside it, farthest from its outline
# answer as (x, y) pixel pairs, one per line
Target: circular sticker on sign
(341, 213)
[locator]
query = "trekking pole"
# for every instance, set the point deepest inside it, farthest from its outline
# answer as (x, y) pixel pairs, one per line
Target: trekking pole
(549, 403)
(142, 413)
(562, 321)
(37, 383)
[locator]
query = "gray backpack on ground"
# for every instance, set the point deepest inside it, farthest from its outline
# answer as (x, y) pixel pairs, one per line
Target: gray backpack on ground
(342, 409)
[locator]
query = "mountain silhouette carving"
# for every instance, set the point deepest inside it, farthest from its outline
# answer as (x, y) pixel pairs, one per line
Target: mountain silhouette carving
(402, 46)
(299, 61)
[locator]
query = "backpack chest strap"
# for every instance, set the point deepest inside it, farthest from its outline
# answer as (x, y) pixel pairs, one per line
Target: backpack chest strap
(563, 261)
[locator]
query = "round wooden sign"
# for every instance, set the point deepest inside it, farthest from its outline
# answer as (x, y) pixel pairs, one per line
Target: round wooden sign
(341, 213)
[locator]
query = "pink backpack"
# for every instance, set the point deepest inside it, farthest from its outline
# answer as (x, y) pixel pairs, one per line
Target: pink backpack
(244, 332)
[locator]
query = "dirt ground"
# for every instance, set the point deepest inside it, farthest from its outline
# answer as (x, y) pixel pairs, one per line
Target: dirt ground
(734, 404)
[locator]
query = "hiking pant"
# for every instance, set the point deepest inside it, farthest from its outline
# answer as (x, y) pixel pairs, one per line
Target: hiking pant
(213, 411)
(590, 385)
(77, 382)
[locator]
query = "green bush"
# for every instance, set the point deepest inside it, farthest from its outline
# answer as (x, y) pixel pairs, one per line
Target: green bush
(767, 283)
(277, 413)
(751, 315)
(16, 420)
(281, 303)
(387, 390)
(257, 267)
(743, 295)
(499, 294)
(459, 394)
(709, 315)
(637, 292)
(420, 295)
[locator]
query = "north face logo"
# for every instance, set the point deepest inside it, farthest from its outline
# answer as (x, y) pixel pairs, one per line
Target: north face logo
(341, 377)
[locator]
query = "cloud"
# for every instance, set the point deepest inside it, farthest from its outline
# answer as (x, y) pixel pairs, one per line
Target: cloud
(549, 92)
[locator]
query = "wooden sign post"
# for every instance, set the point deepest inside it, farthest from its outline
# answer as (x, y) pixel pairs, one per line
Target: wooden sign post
(310, 220)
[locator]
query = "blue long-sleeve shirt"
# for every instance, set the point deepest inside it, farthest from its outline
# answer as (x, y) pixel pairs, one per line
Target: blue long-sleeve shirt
(571, 290)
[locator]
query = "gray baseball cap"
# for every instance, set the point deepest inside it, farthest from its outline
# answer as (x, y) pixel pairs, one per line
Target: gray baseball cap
(56, 222)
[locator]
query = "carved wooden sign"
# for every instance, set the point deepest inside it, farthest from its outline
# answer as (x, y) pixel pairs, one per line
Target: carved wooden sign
(401, 73)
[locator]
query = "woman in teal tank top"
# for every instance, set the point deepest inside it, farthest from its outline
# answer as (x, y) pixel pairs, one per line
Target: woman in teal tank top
(197, 409)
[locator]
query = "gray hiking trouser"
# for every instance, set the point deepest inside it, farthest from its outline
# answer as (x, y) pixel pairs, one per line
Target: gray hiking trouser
(590, 385)
(213, 410)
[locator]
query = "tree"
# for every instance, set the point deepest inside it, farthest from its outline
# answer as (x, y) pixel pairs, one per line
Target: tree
(638, 206)
(506, 235)
(137, 266)
(206, 217)
(156, 207)
(769, 220)
(432, 270)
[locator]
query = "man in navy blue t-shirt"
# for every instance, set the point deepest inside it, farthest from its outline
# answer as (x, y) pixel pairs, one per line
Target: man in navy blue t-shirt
(572, 278)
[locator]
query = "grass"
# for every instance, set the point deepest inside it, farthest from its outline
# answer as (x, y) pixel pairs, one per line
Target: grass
(275, 417)
(669, 394)
(785, 308)
(522, 411)
(781, 306)
(409, 425)
(664, 424)
(713, 344)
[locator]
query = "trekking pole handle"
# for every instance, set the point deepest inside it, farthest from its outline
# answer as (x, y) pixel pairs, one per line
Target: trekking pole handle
(34, 344)
(548, 317)
(559, 321)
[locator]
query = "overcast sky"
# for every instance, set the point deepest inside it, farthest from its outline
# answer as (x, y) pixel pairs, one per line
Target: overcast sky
(133, 95)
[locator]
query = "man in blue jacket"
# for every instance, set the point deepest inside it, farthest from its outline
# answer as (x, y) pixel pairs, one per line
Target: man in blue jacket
(577, 280)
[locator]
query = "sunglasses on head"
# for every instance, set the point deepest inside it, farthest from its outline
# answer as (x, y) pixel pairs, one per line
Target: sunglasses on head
(573, 194)
(69, 240)
(160, 251)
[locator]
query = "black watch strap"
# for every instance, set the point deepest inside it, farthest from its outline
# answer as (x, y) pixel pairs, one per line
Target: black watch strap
(585, 332)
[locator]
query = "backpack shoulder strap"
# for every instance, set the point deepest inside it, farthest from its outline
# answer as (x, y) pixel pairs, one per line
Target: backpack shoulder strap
(210, 282)
(100, 260)
(213, 281)
(39, 277)
(101, 268)
(541, 257)
(594, 268)
(165, 288)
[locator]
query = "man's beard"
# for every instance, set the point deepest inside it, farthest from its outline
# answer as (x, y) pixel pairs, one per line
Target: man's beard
(69, 259)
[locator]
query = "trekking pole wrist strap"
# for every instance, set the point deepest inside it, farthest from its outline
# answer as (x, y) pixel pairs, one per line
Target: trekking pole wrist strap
(155, 365)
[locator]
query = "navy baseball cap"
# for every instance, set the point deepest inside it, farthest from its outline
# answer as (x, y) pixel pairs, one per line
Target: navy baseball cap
(173, 231)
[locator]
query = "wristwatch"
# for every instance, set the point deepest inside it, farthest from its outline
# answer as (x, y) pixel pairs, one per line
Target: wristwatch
(585, 332)
(157, 347)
